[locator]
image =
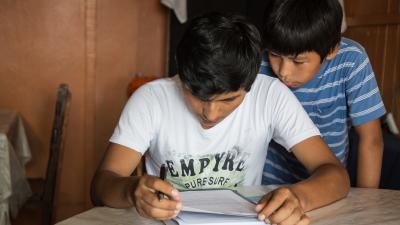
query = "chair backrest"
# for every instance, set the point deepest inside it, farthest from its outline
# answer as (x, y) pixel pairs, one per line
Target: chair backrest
(56, 149)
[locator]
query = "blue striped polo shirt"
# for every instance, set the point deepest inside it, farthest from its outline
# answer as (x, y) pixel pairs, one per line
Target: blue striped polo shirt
(344, 92)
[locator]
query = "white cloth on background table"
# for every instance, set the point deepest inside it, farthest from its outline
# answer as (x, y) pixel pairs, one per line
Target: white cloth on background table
(14, 154)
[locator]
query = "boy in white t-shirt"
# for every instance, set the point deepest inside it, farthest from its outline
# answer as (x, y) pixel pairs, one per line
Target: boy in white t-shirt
(211, 125)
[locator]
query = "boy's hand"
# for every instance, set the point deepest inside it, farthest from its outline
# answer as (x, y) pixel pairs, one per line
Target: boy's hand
(146, 200)
(282, 207)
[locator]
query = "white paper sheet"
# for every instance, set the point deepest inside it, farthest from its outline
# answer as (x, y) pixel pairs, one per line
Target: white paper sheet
(223, 201)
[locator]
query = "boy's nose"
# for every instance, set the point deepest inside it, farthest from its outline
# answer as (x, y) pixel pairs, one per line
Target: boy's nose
(210, 112)
(284, 70)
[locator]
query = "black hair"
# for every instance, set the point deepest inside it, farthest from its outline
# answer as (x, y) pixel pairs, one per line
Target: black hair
(292, 27)
(218, 53)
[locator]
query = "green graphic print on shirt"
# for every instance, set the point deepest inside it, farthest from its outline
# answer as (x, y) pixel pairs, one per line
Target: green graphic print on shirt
(217, 170)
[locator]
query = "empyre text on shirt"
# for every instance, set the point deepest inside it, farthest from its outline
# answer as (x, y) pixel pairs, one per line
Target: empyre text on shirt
(208, 171)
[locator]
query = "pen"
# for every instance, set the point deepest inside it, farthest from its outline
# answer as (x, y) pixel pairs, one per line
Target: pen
(163, 174)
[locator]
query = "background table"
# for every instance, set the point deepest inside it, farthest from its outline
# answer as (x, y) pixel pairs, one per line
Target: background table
(14, 154)
(361, 207)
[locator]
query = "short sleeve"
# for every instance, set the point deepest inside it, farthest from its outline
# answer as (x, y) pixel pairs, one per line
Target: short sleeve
(363, 95)
(136, 125)
(290, 121)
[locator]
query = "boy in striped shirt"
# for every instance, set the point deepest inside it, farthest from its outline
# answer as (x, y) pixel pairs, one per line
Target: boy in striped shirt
(332, 78)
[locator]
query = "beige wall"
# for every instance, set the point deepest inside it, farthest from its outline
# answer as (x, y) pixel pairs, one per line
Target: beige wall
(96, 46)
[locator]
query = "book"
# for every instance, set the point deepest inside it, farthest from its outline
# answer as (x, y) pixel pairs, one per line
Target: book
(215, 207)
(194, 218)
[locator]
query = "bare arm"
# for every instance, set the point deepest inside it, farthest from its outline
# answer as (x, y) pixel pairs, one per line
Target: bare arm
(113, 186)
(328, 182)
(112, 180)
(370, 151)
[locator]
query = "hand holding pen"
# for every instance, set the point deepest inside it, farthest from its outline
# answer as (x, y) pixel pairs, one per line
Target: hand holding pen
(156, 198)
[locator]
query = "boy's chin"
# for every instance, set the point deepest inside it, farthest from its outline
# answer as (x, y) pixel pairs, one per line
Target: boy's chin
(292, 85)
(207, 125)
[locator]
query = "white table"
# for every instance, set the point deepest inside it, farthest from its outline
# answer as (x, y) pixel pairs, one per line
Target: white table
(14, 154)
(361, 207)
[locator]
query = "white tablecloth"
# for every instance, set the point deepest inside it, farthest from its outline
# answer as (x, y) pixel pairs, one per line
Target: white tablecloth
(14, 154)
(361, 207)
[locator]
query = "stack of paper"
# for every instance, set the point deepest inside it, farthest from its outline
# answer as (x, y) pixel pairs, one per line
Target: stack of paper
(215, 207)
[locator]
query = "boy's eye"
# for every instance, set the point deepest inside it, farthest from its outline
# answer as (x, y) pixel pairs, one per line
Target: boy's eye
(298, 62)
(228, 100)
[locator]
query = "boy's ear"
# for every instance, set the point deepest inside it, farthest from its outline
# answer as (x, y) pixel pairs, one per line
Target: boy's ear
(333, 53)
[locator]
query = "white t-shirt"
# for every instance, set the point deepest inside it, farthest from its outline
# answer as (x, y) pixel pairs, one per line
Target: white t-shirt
(157, 121)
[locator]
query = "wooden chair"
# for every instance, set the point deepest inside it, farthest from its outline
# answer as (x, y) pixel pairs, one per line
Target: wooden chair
(40, 205)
